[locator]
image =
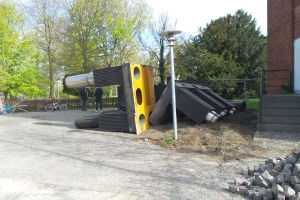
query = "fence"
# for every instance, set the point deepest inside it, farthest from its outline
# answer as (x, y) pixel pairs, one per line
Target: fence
(73, 104)
(241, 89)
(276, 82)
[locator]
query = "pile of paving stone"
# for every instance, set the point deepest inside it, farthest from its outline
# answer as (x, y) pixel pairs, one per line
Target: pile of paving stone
(278, 179)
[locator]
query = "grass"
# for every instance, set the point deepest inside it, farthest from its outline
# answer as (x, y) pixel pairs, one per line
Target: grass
(252, 103)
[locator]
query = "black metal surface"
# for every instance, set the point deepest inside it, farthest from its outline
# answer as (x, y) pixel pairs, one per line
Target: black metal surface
(121, 98)
(128, 91)
(158, 90)
(238, 104)
(87, 122)
(186, 102)
(191, 105)
(113, 121)
(228, 105)
(211, 101)
(108, 76)
(162, 112)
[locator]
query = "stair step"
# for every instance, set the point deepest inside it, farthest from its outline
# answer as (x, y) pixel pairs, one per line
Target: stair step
(278, 127)
(281, 105)
(282, 112)
(281, 98)
(279, 120)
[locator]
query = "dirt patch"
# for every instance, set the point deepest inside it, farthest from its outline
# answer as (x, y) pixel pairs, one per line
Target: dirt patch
(230, 138)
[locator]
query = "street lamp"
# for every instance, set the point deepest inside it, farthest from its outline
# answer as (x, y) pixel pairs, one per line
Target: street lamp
(171, 43)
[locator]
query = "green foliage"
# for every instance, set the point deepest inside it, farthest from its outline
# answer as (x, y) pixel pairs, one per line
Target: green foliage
(167, 142)
(287, 88)
(19, 72)
(68, 91)
(252, 103)
(230, 47)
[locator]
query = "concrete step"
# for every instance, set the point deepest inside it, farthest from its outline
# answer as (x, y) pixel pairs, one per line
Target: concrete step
(281, 98)
(283, 112)
(278, 127)
(279, 120)
(281, 105)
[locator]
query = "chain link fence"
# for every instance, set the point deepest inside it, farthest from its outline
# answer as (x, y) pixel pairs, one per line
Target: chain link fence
(238, 89)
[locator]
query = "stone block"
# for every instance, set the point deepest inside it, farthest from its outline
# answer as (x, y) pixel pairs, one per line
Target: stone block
(265, 174)
(295, 180)
(269, 166)
(250, 193)
(265, 183)
(242, 190)
(287, 179)
(297, 188)
(290, 166)
(291, 159)
(232, 188)
(269, 194)
(280, 177)
(245, 172)
(276, 189)
(275, 173)
(284, 183)
(280, 196)
(238, 181)
(259, 179)
(288, 174)
(286, 170)
(278, 168)
(288, 191)
(261, 168)
(296, 169)
(247, 183)
(251, 170)
(257, 196)
(297, 196)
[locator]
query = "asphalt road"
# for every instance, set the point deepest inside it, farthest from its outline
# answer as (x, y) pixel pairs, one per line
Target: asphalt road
(44, 156)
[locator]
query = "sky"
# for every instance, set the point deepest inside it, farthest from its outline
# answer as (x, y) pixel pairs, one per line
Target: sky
(192, 14)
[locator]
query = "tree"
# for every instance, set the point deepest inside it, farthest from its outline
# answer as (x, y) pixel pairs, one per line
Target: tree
(236, 38)
(46, 20)
(101, 33)
(19, 73)
(157, 45)
(230, 47)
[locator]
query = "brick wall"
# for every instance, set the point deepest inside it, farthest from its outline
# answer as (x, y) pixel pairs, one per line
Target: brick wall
(283, 28)
(297, 18)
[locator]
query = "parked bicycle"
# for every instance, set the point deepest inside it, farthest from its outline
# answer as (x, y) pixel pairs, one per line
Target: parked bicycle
(41, 106)
(56, 106)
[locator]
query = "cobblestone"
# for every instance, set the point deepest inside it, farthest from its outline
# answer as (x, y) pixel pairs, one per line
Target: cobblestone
(47, 149)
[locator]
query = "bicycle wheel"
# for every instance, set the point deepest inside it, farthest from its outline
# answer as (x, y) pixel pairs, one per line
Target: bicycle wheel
(63, 107)
(49, 107)
(39, 107)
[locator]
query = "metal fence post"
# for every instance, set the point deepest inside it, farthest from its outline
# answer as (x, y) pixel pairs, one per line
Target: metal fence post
(261, 93)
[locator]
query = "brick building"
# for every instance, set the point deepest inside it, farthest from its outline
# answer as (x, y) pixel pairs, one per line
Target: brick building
(283, 45)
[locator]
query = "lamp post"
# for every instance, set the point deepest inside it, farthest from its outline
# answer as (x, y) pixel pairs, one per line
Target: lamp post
(171, 43)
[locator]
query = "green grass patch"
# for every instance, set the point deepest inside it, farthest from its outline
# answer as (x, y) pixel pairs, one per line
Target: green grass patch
(252, 103)
(167, 142)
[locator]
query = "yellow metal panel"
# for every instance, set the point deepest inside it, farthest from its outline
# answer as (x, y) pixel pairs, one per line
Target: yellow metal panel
(144, 96)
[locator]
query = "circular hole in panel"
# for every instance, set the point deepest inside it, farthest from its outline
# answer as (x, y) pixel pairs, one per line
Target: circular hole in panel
(136, 73)
(142, 120)
(139, 96)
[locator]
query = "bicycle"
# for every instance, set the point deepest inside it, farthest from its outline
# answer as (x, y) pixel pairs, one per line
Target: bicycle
(56, 106)
(42, 106)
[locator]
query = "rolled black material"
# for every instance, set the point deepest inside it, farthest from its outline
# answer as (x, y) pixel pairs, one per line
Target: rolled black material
(238, 104)
(113, 121)
(108, 76)
(87, 122)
